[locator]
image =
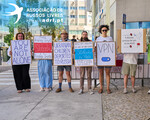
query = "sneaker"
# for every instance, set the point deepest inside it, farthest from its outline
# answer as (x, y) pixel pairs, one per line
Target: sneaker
(125, 91)
(71, 90)
(58, 90)
(91, 92)
(80, 92)
(133, 90)
(148, 91)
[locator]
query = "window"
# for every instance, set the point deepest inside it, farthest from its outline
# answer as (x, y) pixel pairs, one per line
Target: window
(82, 16)
(73, 16)
(75, 32)
(82, 8)
(137, 25)
(73, 8)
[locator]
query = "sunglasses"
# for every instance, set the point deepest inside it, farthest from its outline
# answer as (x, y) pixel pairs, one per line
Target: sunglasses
(104, 30)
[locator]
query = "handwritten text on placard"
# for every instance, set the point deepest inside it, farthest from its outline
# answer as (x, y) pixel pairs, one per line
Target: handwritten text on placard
(21, 52)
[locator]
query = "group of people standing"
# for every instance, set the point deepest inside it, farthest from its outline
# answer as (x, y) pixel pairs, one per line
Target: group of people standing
(23, 82)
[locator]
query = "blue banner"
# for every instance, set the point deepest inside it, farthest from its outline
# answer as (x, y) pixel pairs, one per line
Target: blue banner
(83, 53)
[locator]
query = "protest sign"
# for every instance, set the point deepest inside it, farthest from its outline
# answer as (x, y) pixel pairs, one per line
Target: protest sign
(106, 54)
(42, 47)
(83, 53)
(21, 52)
(62, 53)
(131, 41)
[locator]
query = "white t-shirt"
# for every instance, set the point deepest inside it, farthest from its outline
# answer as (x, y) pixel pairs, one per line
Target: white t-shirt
(104, 39)
(130, 58)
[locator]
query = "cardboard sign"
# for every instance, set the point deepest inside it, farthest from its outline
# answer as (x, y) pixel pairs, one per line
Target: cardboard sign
(42, 47)
(83, 53)
(131, 41)
(21, 52)
(62, 53)
(106, 54)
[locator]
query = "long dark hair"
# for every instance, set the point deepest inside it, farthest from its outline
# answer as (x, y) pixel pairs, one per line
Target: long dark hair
(86, 39)
(18, 34)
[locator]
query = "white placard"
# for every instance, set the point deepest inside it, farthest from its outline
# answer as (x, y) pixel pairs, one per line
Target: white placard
(21, 52)
(62, 53)
(42, 47)
(83, 53)
(106, 54)
(132, 40)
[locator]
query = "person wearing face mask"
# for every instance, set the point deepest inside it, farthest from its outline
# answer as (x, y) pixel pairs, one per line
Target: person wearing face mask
(64, 38)
(21, 72)
(84, 38)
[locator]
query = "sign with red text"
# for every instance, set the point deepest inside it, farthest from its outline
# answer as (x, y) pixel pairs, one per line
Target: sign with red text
(21, 52)
(42, 47)
(132, 41)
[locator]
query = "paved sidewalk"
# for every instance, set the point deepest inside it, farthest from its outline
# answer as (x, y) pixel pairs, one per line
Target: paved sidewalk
(5, 67)
(70, 106)
(131, 106)
(49, 105)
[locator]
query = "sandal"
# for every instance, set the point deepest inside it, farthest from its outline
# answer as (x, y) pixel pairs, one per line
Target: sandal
(100, 91)
(19, 91)
(108, 91)
(27, 90)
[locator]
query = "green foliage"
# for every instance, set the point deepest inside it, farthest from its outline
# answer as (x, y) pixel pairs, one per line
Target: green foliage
(8, 38)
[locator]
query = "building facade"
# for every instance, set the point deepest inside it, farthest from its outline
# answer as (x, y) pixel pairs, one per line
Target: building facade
(111, 12)
(3, 20)
(79, 18)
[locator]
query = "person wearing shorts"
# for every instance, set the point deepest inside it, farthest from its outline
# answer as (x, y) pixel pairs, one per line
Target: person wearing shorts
(64, 37)
(129, 68)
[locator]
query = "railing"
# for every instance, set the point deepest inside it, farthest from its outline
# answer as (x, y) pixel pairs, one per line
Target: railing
(143, 72)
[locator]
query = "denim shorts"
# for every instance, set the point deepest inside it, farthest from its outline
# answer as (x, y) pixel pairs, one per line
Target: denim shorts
(61, 68)
(102, 67)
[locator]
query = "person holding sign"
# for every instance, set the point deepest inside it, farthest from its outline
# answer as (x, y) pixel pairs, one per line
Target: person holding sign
(45, 74)
(129, 67)
(104, 38)
(64, 37)
(84, 38)
(21, 72)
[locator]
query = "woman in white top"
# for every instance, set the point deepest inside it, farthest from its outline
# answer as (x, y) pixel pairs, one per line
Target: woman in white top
(104, 38)
(21, 72)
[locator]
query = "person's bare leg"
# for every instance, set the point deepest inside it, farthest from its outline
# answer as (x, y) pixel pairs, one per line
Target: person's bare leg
(101, 74)
(107, 70)
(69, 81)
(125, 84)
(133, 83)
(61, 76)
(125, 81)
(68, 76)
